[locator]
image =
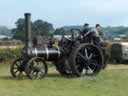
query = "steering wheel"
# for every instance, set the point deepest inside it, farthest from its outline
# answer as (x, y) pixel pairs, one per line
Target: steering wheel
(79, 33)
(73, 35)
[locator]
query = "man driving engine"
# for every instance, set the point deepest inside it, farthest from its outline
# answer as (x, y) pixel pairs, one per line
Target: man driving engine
(86, 28)
(96, 34)
(92, 34)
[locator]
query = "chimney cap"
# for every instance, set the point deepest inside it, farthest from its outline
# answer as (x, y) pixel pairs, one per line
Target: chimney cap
(27, 13)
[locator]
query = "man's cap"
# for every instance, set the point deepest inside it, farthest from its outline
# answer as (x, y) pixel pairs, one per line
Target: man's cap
(97, 25)
(86, 24)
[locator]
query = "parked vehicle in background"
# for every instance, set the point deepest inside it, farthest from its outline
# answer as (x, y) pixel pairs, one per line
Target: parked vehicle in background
(119, 52)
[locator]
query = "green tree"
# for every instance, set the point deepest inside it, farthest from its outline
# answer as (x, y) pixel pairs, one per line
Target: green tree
(5, 31)
(39, 27)
(59, 31)
(19, 32)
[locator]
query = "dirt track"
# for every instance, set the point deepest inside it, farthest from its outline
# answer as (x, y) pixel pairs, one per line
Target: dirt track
(10, 47)
(116, 67)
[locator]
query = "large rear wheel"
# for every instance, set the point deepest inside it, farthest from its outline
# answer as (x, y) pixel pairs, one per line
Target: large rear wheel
(86, 60)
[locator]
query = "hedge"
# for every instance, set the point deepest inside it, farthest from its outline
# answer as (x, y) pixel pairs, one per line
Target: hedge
(10, 42)
(9, 54)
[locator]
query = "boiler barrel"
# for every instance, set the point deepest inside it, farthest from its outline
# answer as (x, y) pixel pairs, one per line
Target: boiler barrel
(49, 54)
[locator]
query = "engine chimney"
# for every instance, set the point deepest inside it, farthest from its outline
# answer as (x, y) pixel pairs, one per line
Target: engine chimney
(28, 42)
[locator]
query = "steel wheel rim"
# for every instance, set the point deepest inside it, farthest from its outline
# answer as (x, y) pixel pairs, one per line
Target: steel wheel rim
(17, 68)
(38, 73)
(88, 57)
(36, 68)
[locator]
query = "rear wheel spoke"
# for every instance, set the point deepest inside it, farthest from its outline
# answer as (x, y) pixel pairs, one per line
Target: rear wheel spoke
(83, 57)
(86, 53)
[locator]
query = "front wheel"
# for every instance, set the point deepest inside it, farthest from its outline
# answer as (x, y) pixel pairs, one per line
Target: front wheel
(17, 68)
(36, 68)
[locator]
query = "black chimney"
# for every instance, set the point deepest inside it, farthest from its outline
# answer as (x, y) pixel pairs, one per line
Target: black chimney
(28, 42)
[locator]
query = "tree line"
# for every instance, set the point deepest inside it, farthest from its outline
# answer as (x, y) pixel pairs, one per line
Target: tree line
(107, 32)
(40, 27)
(5, 31)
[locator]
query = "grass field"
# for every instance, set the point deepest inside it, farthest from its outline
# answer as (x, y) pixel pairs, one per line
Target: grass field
(107, 83)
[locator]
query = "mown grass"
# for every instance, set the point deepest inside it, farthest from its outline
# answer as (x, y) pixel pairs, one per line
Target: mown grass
(107, 83)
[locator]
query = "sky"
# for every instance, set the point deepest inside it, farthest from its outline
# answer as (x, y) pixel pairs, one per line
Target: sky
(66, 12)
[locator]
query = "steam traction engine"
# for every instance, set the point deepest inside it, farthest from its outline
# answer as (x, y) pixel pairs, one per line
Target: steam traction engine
(72, 56)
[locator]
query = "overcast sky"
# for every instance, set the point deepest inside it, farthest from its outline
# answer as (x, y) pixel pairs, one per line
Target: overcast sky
(66, 12)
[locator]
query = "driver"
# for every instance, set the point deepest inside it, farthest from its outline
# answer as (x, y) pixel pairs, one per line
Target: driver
(96, 34)
(87, 33)
(92, 34)
(86, 28)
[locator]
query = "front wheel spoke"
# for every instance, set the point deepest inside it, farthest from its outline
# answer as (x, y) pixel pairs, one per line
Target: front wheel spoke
(18, 64)
(16, 71)
(20, 74)
(86, 71)
(33, 74)
(36, 74)
(41, 73)
(35, 63)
